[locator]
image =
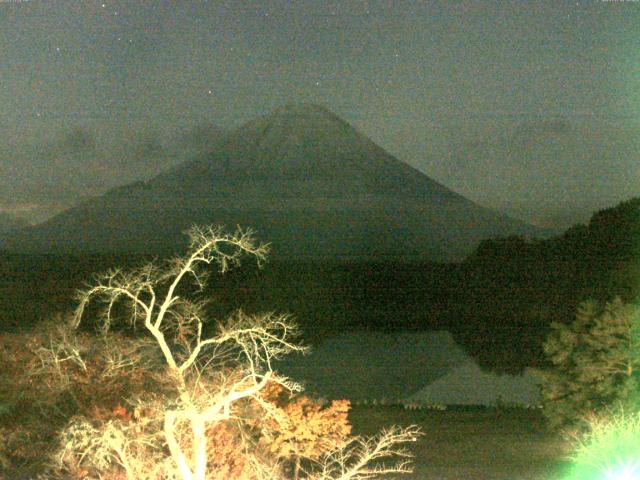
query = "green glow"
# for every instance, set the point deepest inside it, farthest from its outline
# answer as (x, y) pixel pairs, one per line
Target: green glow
(610, 451)
(624, 472)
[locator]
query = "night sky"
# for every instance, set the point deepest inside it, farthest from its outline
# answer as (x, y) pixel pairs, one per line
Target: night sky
(532, 108)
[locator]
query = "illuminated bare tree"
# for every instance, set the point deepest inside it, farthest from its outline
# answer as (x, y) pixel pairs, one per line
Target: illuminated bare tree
(208, 375)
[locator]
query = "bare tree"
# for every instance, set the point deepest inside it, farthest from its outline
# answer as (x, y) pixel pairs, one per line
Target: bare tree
(208, 375)
(360, 458)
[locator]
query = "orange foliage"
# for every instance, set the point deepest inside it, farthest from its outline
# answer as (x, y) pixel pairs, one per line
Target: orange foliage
(310, 429)
(227, 458)
(299, 428)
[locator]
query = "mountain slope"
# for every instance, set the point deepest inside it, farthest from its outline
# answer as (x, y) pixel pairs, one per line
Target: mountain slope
(554, 171)
(307, 181)
(10, 223)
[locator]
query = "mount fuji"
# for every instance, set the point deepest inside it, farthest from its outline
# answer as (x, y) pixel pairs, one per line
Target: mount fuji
(307, 181)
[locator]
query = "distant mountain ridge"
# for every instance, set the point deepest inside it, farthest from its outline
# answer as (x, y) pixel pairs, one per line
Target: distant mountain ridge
(306, 180)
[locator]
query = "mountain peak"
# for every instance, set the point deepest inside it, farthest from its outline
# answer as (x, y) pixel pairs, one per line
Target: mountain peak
(302, 108)
(305, 179)
(302, 149)
(298, 117)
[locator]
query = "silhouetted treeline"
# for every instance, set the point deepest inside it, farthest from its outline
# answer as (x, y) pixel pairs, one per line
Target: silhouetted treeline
(498, 303)
(515, 288)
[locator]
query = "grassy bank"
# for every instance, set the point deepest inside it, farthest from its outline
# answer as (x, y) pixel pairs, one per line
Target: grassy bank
(477, 444)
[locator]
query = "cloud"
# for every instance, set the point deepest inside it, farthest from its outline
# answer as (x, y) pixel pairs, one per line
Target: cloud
(42, 178)
(551, 171)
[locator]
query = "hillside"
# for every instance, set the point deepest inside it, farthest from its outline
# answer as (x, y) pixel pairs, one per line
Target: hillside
(10, 223)
(515, 288)
(307, 181)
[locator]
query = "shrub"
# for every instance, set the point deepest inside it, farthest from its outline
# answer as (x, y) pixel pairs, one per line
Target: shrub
(28, 418)
(594, 364)
(54, 373)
